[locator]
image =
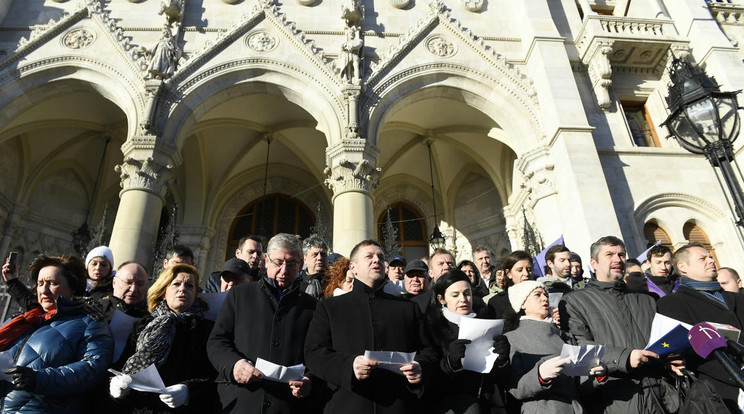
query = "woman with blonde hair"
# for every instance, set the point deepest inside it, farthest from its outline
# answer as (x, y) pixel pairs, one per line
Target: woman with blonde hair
(173, 338)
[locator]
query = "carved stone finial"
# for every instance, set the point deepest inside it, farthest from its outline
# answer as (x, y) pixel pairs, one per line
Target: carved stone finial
(352, 11)
(474, 5)
(172, 9)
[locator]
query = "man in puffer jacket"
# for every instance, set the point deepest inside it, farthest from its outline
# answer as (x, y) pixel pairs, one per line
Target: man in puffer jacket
(60, 348)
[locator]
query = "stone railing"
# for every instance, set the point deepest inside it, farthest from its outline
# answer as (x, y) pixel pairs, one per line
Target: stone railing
(642, 45)
(727, 11)
(623, 28)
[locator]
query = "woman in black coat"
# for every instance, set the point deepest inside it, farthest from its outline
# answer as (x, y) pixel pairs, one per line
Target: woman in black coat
(174, 338)
(453, 389)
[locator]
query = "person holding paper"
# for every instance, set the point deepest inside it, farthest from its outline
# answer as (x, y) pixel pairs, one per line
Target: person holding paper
(453, 389)
(173, 338)
(700, 298)
(59, 348)
(536, 365)
(266, 320)
(368, 319)
(605, 313)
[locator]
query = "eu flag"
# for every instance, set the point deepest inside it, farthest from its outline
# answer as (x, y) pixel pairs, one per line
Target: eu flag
(672, 342)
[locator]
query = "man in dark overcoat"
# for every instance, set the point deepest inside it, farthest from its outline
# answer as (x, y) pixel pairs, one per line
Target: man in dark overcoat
(700, 298)
(268, 320)
(368, 319)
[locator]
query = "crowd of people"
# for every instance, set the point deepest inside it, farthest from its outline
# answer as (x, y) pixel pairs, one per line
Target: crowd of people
(296, 330)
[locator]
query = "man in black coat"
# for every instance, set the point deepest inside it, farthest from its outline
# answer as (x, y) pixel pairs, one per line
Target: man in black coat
(268, 320)
(700, 298)
(368, 319)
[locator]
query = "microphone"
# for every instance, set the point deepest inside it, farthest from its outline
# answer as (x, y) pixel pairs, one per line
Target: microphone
(706, 340)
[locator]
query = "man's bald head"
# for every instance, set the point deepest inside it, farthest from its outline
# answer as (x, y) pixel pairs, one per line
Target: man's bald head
(130, 283)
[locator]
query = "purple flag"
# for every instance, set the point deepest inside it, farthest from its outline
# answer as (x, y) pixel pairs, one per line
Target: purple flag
(538, 263)
(651, 285)
(643, 256)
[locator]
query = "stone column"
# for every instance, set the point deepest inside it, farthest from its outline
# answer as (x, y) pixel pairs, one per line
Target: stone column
(145, 173)
(352, 177)
(198, 238)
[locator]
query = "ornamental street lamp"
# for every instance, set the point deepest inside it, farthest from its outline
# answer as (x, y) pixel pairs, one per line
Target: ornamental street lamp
(705, 121)
(436, 240)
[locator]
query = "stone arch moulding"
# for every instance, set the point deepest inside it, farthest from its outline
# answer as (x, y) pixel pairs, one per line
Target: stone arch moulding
(707, 215)
(184, 105)
(409, 193)
(221, 216)
(21, 88)
(510, 104)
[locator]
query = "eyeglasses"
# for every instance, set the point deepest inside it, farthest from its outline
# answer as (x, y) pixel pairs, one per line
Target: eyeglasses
(130, 283)
(289, 264)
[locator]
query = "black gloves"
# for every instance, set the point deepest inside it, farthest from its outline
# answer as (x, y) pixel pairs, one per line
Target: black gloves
(24, 378)
(501, 347)
(456, 353)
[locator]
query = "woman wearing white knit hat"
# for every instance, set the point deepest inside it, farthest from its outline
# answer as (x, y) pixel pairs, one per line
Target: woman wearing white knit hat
(535, 362)
(99, 264)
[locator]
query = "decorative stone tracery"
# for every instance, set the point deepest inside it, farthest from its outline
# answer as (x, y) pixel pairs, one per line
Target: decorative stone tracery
(78, 39)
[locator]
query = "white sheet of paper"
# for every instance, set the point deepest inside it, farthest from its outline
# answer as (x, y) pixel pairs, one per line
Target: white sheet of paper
(121, 326)
(147, 380)
(6, 361)
(390, 360)
(280, 373)
(214, 301)
(661, 325)
(583, 359)
(554, 299)
(479, 356)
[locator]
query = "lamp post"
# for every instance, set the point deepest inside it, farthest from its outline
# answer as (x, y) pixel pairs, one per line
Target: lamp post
(436, 240)
(705, 121)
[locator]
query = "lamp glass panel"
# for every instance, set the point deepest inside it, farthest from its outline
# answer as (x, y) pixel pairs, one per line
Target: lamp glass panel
(703, 115)
(727, 107)
(686, 134)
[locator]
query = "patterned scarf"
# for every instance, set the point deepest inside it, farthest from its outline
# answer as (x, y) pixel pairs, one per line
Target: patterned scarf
(710, 289)
(155, 341)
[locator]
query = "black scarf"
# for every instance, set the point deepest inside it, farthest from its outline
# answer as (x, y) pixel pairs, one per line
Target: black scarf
(155, 341)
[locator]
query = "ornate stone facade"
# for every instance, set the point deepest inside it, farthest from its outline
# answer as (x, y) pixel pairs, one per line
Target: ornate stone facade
(527, 116)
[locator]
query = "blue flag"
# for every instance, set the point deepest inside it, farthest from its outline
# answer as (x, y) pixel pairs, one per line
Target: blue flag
(538, 262)
(674, 341)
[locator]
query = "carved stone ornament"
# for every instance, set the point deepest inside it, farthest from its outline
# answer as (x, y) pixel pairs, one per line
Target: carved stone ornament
(474, 5)
(305, 2)
(261, 42)
(440, 46)
(399, 4)
(348, 177)
(149, 175)
(78, 39)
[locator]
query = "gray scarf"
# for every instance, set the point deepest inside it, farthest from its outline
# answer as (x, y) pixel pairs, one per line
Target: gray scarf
(155, 340)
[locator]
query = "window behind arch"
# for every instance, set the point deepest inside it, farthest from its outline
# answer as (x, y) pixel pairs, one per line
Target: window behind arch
(411, 226)
(280, 213)
(653, 233)
(694, 234)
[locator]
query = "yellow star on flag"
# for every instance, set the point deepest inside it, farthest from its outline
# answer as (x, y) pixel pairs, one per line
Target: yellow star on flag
(665, 345)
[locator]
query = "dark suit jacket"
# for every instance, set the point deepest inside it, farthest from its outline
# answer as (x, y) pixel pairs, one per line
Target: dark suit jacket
(345, 326)
(690, 306)
(253, 322)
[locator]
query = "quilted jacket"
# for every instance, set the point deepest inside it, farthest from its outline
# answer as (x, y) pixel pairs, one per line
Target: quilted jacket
(70, 353)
